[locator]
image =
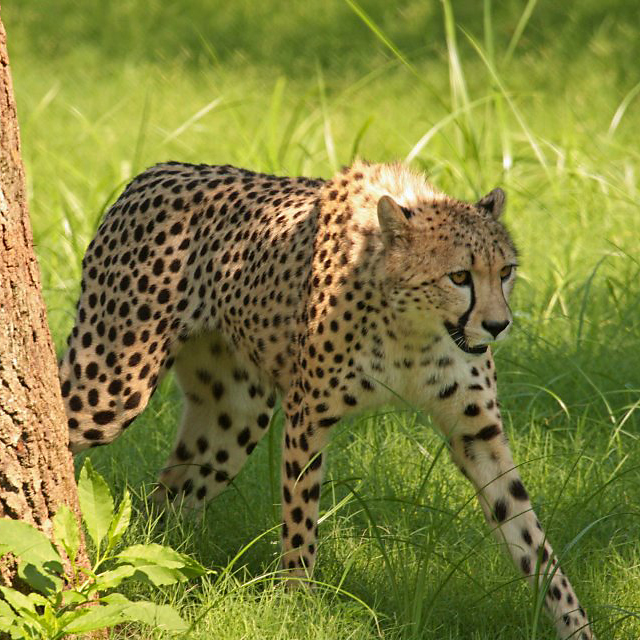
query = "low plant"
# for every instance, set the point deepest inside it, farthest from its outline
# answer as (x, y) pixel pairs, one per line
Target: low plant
(60, 605)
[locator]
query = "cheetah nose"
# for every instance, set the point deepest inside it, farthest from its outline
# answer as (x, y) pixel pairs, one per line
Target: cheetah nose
(495, 328)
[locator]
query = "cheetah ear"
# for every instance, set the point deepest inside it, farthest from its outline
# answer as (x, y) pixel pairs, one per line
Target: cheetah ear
(393, 223)
(493, 202)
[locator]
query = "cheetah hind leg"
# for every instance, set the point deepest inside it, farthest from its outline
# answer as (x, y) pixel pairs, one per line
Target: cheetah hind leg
(227, 409)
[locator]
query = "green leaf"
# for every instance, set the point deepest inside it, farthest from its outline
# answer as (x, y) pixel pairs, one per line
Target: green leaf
(25, 608)
(97, 617)
(42, 581)
(158, 616)
(96, 502)
(17, 600)
(120, 521)
(65, 528)
(112, 578)
(39, 561)
(37, 599)
(152, 554)
(7, 616)
(157, 576)
(116, 608)
(5, 609)
(21, 630)
(161, 616)
(115, 598)
(49, 620)
(73, 597)
(146, 555)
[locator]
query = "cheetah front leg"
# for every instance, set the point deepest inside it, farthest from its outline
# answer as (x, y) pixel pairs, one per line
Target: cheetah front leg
(467, 413)
(306, 435)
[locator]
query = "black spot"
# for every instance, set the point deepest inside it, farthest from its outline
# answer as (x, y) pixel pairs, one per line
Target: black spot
(187, 487)
(93, 434)
(244, 436)
(316, 462)
(103, 417)
(472, 410)
(94, 397)
(91, 371)
(115, 386)
(218, 390)
(525, 564)
(545, 554)
(133, 401)
(297, 541)
(202, 444)
(448, 391)
(517, 490)
(224, 421)
(500, 510)
(296, 514)
(182, 453)
(489, 432)
(222, 476)
(144, 313)
(526, 536)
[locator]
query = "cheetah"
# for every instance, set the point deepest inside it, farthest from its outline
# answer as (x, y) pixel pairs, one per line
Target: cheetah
(337, 296)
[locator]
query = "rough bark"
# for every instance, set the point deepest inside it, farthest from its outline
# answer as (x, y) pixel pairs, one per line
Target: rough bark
(36, 471)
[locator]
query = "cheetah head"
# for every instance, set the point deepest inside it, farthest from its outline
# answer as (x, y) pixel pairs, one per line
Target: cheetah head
(449, 268)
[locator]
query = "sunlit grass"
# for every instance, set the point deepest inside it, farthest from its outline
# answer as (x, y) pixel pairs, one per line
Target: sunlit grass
(538, 99)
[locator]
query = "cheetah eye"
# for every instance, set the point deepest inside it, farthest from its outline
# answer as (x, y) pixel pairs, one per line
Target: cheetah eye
(506, 271)
(461, 278)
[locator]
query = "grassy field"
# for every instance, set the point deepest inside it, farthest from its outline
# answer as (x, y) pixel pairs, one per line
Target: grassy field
(540, 98)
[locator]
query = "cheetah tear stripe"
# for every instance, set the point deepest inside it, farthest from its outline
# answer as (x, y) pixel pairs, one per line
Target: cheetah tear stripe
(338, 296)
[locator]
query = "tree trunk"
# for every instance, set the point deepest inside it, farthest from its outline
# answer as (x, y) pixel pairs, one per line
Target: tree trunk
(36, 471)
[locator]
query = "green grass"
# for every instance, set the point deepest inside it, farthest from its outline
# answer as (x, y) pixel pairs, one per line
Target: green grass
(540, 98)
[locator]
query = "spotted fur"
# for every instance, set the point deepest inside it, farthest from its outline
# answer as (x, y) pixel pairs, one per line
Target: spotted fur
(338, 296)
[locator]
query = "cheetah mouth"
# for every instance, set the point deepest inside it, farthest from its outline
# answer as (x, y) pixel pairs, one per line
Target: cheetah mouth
(456, 332)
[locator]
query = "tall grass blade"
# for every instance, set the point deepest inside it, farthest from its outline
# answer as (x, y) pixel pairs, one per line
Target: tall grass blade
(519, 30)
(621, 110)
(189, 122)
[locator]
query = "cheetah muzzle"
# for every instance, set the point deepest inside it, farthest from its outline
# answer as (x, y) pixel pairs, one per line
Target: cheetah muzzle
(456, 332)
(336, 295)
